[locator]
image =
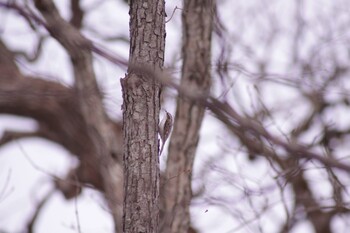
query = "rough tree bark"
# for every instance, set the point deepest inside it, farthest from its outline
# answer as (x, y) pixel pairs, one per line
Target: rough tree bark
(197, 21)
(63, 116)
(141, 104)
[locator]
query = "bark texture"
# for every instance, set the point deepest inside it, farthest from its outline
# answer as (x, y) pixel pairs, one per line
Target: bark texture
(197, 20)
(140, 117)
(63, 114)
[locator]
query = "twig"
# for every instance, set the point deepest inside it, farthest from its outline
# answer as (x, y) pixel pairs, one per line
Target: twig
(176, 8)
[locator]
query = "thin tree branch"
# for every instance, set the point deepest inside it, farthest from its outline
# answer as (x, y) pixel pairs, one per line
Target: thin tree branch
(38, 209)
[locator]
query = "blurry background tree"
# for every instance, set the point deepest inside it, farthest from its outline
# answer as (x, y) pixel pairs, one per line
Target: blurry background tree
(271, 154)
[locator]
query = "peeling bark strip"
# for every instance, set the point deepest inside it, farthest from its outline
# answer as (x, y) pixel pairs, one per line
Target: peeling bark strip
(197, 20)
(140, 117)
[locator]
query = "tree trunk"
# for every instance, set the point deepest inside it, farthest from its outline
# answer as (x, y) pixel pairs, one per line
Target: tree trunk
(140, 117)
(197, 23)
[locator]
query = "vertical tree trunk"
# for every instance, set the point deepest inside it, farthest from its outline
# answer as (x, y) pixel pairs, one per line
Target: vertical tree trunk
(140, 116)
(197, 23)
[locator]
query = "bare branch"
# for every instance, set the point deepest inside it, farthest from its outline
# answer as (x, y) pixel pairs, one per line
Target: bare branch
(31, 223)
(9, 136)
(77, 14)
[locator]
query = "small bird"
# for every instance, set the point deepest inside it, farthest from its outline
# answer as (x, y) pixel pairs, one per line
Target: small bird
(164, 129)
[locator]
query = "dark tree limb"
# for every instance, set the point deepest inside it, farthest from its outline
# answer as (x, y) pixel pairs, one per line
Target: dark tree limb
(49, 102)
(9, 136)
(197, 20)
(77, 14)
(99, 128)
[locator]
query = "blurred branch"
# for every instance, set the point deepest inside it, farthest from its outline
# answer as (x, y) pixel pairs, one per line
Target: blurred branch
(231, 118)
(9, 136)
(31, 223)
(77, 14)
(56, 110)
(23, 11)
(36, 53)
(8, 68)
(5, 191)
(77, 40)
(235, 122)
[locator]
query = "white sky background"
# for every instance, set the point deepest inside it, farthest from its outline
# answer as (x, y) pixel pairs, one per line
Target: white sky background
(24, 184)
